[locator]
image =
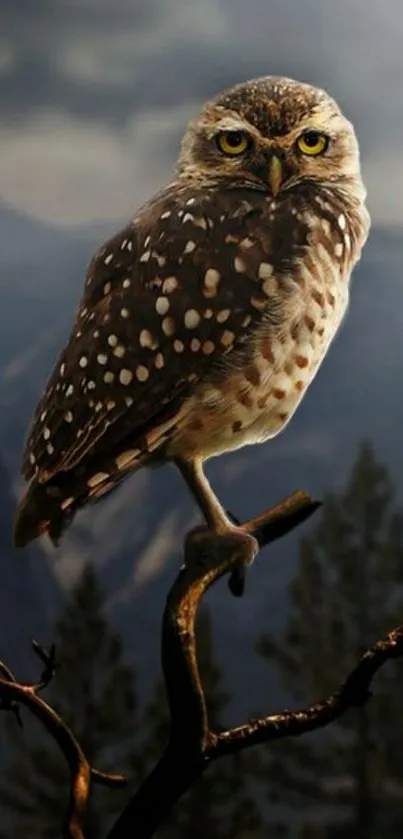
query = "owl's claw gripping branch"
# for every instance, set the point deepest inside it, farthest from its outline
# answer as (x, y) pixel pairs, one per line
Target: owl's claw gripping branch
(269, 526)
(82, 775)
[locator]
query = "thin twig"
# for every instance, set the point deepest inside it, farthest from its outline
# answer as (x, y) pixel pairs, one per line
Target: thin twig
(354, 692)
(13, 694)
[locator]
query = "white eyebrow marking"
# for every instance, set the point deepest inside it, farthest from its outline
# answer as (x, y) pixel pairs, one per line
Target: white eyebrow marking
(230, 124)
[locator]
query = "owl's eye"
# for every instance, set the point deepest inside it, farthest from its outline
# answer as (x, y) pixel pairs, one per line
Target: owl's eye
(233, 142)
(312, 142)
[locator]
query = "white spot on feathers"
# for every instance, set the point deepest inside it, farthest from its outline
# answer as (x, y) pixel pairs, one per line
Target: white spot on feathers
(191, 319)
(126, 458)
(99, 478)
(342, 221)
(162, 305)
(125, 376)
(142, 373)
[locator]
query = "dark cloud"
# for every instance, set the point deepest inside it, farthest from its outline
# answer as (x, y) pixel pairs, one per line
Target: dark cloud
(101, 91)
(97, 59)
(108, 59)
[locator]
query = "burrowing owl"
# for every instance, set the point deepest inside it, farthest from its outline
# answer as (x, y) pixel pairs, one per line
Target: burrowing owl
(204, 321)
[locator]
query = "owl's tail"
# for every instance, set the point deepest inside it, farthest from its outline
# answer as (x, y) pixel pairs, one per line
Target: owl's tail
(38, 512)
(50, 507)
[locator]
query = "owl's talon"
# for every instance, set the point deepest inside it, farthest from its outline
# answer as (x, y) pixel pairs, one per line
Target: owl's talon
(237, 580)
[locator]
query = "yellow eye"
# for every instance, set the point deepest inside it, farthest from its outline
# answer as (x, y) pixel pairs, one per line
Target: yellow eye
(312, 142)
(233, 142)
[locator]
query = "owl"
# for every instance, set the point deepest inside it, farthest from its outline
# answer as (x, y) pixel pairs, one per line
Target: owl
(204, 321)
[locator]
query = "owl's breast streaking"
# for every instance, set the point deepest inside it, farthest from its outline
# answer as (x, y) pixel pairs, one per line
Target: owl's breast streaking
(255, 395)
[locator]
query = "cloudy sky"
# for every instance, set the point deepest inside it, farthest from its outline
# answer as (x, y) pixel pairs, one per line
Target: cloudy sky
(96, 93)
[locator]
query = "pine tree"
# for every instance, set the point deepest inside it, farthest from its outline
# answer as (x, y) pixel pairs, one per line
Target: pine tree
(221, 804)
(347, 592)
(94, 692)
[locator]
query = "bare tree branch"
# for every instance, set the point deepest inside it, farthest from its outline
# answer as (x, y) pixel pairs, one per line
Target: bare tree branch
(191, 747)
(192, 744)
(355, 691)
(12, 695)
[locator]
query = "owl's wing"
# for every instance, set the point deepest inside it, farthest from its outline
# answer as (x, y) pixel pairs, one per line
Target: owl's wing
(165, 300)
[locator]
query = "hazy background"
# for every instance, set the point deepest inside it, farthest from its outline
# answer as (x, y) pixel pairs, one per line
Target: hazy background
(94, 97)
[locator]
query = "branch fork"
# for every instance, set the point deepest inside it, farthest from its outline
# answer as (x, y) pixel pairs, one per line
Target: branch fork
(82, 774)
(192, 744)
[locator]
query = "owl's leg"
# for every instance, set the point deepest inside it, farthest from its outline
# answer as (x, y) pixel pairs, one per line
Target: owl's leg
(206, 499)
(216, 517)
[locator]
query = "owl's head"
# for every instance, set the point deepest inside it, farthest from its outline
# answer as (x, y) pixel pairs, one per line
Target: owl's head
(272, 132)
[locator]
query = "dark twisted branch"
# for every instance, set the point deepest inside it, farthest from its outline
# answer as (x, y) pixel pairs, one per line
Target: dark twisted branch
(190, 748)
(192, 745)
(12, 695)
(354, 692)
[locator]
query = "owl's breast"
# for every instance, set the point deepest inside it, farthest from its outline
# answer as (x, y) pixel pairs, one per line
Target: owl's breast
(287, 360)
(255, 398)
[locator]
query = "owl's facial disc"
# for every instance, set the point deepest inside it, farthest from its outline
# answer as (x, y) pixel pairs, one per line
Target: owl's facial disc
(274, 133)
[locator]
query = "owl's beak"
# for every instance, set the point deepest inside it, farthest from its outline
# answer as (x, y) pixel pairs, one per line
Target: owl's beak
(275, 174)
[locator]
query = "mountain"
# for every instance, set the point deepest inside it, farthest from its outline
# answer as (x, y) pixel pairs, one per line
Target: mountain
(29, 594)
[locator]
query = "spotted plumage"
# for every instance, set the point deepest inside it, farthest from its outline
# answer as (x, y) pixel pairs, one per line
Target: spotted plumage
(203, 322)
